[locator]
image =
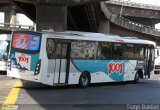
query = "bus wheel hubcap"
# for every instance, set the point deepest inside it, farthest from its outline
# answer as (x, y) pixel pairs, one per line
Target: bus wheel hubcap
(137, 77)
(84, 80)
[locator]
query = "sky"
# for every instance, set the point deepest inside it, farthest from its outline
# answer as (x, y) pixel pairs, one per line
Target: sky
(22, 19)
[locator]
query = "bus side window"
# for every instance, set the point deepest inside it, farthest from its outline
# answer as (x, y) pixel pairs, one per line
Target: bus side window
(83, 50)
(117, 51)
(61, 50)
(91, 48)
(78, 50)
(139, 52)
(129, 52)
(105, 50)
(50, 48)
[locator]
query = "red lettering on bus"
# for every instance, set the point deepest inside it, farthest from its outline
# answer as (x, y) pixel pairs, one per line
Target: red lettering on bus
(115, 68)
(23, 59)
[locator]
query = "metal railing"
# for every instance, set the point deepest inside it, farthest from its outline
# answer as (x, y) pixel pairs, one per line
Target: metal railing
(133, 4)
(9, 26)
(116, 19)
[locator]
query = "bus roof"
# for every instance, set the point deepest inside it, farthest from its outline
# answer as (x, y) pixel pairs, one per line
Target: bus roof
(83, 36)
(78, 35)
(138, 41)
(91, 36)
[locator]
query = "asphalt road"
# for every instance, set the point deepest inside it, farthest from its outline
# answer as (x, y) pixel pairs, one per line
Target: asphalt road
(110, 96)
(2, 77)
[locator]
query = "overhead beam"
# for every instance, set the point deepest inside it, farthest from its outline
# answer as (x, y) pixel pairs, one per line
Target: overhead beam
(67, 2)
(25, 1)
(5, 1)
(59, 2)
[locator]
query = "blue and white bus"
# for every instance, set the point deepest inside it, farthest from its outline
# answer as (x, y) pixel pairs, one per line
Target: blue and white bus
(64, 58)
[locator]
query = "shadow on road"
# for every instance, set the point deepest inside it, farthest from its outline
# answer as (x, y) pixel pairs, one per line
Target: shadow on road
(105, 96)
(33, 85)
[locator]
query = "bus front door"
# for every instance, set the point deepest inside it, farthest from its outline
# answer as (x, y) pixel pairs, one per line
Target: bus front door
(149, 62)
(62, 63)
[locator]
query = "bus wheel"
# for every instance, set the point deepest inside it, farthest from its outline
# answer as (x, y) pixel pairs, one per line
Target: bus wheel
(84, 80)
(136, 78)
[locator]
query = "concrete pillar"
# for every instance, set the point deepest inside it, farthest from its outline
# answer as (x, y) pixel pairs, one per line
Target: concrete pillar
(104, 26)
(49, 16)
(10, 15)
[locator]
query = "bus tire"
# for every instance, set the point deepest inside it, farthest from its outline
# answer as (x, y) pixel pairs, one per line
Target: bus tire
(136, 78)
(84, 80)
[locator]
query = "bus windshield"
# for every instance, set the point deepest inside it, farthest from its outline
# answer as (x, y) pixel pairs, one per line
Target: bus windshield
(4, 48)
(25, 41)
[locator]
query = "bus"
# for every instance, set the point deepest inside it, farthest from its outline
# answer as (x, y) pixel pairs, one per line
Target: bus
(157, 60)
(72, 57)
(4, 50)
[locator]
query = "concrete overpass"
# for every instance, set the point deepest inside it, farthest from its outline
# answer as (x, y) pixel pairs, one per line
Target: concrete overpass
(141, 13)
(34, 9)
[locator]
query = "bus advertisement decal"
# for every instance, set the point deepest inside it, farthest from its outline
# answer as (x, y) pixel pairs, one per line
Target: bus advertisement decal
(113, 68)
(140, 65)
(116, 70)
(23, 59)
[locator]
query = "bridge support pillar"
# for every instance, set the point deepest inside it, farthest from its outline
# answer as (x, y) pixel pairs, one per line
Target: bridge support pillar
(51, 17)
(104, 26)
(10, 15)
